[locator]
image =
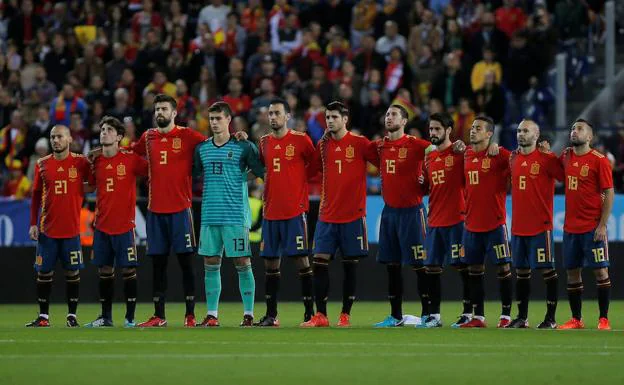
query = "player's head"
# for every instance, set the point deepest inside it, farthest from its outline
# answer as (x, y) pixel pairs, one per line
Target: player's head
(336, 116)
(164, 110)
(482, 129)
(219, 117)
(396, 118)
(581, 133)
(527, 133)
(440, 127)
(112, 131)
(60, 138)
(279, 113)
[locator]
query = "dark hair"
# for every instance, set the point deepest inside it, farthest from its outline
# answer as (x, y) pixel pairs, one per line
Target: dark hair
(337, 106)
(401, 109)
(163, 98)
(580, 120)
(488, 120)
(281, 101)
(443, 118)
(113, 122)
(217, 107)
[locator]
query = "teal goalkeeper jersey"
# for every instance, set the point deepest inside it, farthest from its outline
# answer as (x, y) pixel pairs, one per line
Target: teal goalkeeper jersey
(225, 200)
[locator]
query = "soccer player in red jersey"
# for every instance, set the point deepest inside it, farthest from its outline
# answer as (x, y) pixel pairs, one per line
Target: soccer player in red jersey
(444, 181)
(589, 199)
(342, 223)
(114, 176)
(58, 191)
(404, 217)
(485, 235)
(169, 150)
(286, 154)
(533, 175)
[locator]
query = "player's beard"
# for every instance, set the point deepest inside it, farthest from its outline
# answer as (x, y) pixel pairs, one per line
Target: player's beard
(437, 141)
(162, 122)
(577, 142)
(393, 128)
(59, 150)
(276, 126)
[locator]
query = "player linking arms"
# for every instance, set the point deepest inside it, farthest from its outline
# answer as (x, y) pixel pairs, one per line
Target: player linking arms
(225, 213)
(533, 175)
(589, 199)
(114, 176)
(58, 191)
(287, 154)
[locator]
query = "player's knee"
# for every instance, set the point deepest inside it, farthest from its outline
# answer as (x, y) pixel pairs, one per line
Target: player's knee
(45, 277)
(476, 269)
(504, 268)
(212, 261)
(302, 262)
(549, 274)
(351, 261)
(106, 270)
(459, 268)
(574, 275)
(106, 274)
(305, 271)
(129, 273)
(601, 274)
(433, 270)
(272, 263)
(242, 262)
(523, 273)
(72, 276)
(419, 269)
(320, 261)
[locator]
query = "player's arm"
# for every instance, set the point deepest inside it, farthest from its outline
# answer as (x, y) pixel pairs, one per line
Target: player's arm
(252, 160)
(605, 177)
(423, 179)
(555, 167)
(88, 172)
(139, 146)
(371, 152)
(140, 166)
(198, 167)
(315, 164)
(35, 204)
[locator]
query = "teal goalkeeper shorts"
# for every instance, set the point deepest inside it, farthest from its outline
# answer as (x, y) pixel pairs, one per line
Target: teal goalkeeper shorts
(215, 239)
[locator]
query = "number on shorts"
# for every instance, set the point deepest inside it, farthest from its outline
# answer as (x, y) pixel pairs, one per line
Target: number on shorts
(501, 251)
(541, 255)
(419, 252)
(75, 257)
(455, 250)
(599, 255)
(300, 243)
(361, 239)
(189, 240)
(239, 244)
(132, 254)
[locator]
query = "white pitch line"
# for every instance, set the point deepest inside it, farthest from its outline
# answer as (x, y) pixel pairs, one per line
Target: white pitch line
(142, 356)
(318, 343)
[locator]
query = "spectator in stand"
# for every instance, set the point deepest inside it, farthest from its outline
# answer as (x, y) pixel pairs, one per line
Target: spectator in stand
(160, 84)
(61, 20)
(41, 128)
(543, 34)
(390, 39)
(337, 52)
(122, 107)
(463, 118)
(114, 26)
(175, 18)
(362, 22)
(42, 148)
(491, 98)
(390, 11)
(521, 66)
(371, 121)
(262, 126)
(318, 84)
(250, 15)
(367, 59)
(205, 89)
(43, 91)
(23, 27)
(13, 138)
(215, 15)
(396, 72)
(89, 65)
(238, 101)
(150, 57)
(490, 35)
(98, 93)
(130, 85)
(510, 18)
(454, 37)
(571, 19)
(80, 135)
(115, 66)
(175, 68)
(7, 106)
(18, 186)
(65, 104)
(315, 118)
(287, 38)
(59, 61)
(28, 71)
(145, 20)
(452, 83)
(306, 56)
(267, 70)
(266, 94)
(208, 56)
(438, 6)
(235, 37)
(426, 33)
(537, 101)
(488, 64)
(187, 105)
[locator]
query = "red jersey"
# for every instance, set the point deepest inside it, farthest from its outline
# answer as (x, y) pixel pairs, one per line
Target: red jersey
(532, 191)
(115, 181)
(444, 176)
(587, 176)
(486, 189)
(286, 181)
(343, 191)
(400, 166)
(170, 161)
(58, 191)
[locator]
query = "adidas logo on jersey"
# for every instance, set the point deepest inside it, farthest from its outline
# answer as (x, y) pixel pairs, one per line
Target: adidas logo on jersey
(438, 159)
(475, 160)
(109, 167)
(338, 149)
(278, 147)
(163, 140)
(575, 164)
(60, 169)
(524, 164)
(392, 149)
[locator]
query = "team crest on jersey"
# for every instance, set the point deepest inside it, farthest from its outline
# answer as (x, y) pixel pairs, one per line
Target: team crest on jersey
(350, 153)
(485, 164)
(121, 170)
(448, 161)
(230, 155)
(73, 173)
(585, 170)
(535, 167)
(290, 151)
(402, 153)
(177, 143)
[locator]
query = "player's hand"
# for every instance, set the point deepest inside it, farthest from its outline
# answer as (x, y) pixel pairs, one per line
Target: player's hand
(543, 146)
(33, 232)
(493, 149)
(241, 135)
(601, 233)
(94, 154)
(459, 147)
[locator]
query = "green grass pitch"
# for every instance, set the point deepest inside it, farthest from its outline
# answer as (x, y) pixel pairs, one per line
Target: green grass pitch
(289, 355)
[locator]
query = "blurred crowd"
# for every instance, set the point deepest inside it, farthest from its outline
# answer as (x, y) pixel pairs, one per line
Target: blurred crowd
(74, 62)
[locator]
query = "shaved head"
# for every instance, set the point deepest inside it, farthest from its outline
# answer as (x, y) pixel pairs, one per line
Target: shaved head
(60, 138)
(527, 133)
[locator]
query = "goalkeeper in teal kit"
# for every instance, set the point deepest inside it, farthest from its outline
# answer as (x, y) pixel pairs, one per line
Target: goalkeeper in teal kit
(225, 214)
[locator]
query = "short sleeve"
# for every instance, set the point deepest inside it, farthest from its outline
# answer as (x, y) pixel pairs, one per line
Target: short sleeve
(140, 165)
(555, 167)
(605, 174)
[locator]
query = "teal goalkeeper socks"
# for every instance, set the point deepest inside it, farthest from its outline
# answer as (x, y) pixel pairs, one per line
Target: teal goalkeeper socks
(212, 281)
(247, 287)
